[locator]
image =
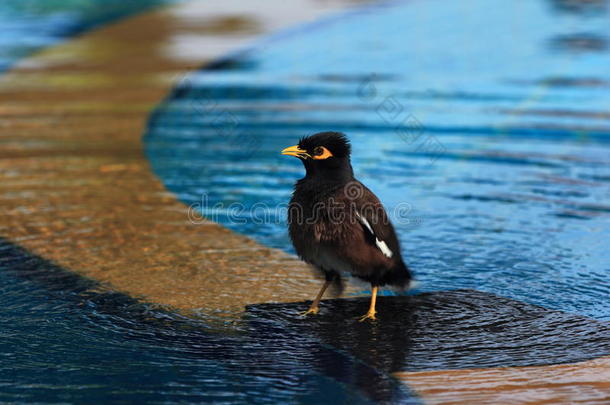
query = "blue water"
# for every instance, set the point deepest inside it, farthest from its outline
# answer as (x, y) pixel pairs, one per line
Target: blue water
(29, 25)
(63, 340)
(483, 126)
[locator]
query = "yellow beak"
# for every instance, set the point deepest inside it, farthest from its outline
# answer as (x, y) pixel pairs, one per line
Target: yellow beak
(296, 151)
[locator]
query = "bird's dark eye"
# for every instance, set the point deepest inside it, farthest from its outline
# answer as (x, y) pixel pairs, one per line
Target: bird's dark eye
(318, 150)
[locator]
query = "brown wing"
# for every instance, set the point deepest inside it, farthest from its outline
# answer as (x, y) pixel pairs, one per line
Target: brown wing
(356, 226)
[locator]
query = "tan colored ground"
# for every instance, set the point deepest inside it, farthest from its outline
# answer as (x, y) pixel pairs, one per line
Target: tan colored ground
(581, 383)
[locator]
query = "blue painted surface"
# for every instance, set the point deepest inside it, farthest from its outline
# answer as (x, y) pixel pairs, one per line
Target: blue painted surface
(29, 25)
(483, 126)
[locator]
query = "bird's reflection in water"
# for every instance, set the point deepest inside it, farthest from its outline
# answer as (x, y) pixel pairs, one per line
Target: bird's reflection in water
(323, 343)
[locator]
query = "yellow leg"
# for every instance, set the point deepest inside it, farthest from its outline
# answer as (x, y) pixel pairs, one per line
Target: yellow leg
(314, 309)
(371, 314)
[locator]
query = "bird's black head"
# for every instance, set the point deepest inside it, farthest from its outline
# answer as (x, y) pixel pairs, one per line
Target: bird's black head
(324, 154)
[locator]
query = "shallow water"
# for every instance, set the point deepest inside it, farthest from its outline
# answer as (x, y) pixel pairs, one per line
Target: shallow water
(68, 339)
(512, 202)
(65, 339)
(487, 137)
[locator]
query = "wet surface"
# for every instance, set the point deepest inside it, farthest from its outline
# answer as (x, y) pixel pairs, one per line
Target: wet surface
(93, 344)
(446, 330)
(577, 383)
(490, 151)
(77, 197)
(67, 338)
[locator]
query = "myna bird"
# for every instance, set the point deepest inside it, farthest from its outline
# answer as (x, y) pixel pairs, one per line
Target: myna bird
(337, 224)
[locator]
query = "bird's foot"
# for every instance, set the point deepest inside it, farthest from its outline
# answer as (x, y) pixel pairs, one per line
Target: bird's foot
(369, 315)
(310, 311)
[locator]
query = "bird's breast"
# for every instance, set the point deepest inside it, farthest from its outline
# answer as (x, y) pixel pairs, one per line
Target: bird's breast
(310, 237)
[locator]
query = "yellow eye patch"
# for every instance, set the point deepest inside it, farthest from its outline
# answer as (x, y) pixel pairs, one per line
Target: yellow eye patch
(321, 152)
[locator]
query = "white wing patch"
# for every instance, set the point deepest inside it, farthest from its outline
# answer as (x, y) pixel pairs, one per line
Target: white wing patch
(380, 244)
(384, 248)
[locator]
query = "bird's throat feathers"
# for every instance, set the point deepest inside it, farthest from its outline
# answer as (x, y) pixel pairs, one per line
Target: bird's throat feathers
(335, 171)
